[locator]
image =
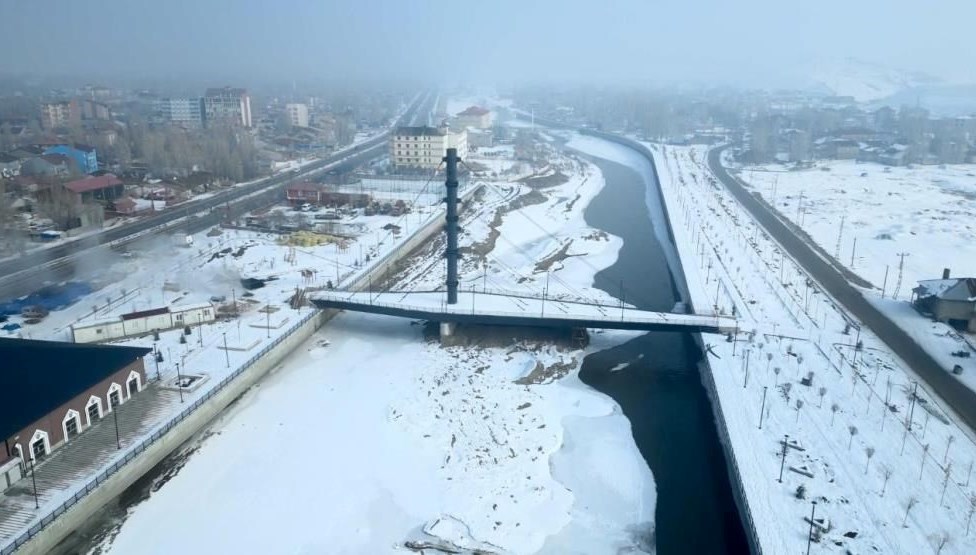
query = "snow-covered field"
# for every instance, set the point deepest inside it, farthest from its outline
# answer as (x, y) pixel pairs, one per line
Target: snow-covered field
(370, 435)
(881, 484)
(867, 216)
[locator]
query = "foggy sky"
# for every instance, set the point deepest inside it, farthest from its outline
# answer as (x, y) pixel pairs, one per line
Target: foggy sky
(745, 42)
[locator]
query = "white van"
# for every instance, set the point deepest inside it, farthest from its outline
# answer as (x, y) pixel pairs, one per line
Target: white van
(305, 207)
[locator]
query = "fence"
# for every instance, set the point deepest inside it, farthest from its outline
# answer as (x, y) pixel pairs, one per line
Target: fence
(134, 451)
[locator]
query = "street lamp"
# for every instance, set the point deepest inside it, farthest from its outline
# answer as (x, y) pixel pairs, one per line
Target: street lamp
(37, 504)
(115, 414)
(179, 381)
(226, 354)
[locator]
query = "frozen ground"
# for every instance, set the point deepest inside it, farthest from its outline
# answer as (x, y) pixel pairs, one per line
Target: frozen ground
(369, 434)
(883, 482)
(927, 213)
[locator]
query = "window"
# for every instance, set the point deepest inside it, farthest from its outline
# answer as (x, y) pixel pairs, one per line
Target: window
(113, 399)
(94, 413)
(133, 387)
(71, 428)
(38, 449)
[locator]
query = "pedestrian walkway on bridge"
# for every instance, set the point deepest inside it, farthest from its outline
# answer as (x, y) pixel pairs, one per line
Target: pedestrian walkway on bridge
(489, 308)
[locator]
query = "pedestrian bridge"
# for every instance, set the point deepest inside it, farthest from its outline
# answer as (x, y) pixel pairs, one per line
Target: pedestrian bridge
(491, 308)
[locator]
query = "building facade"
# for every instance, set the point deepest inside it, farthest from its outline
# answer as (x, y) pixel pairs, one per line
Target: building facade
(84, 156)
(181, 111)
(143, 322)
(60, 114)
(297, 114)
(425, 147)
(57, 391)
(475, 116)
(227, 106)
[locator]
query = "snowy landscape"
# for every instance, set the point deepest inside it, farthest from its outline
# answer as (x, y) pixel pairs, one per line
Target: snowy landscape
(889, 472)
(482, 447)
(893, 227)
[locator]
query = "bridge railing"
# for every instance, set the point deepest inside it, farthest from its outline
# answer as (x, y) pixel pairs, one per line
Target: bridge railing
(625, 314)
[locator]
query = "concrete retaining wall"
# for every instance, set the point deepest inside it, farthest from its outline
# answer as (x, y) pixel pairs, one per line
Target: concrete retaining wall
(184, 430)
(704, 370)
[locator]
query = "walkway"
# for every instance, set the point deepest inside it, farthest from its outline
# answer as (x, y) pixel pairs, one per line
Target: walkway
(509, 310)
(81, 459)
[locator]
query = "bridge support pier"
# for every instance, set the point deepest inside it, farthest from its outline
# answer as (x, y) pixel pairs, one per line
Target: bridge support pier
(448, 329)
(451, 218)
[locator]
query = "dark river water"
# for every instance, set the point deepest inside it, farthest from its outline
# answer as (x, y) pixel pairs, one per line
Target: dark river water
(661, 391)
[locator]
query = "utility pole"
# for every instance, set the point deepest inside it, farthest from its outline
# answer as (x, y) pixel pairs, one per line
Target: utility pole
(901, 268)
(115, 413)
(762, 408)
(884, 284)
(226, 353)
(179, 381)
(799, 204)
(853, 248)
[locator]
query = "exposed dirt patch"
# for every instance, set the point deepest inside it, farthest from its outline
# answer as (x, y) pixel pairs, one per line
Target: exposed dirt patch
(542, 374)
(558, 256)
(545, 181)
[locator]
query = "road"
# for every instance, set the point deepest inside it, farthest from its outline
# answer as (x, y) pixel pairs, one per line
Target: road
(22, 274)
(960, 398)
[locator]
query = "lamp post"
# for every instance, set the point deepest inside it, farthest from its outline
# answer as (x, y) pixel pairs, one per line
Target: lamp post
(226, 354)
(156, 358)
(813, 511)
(782, 463)
(179, 381)
(37, 504)
(115, 415)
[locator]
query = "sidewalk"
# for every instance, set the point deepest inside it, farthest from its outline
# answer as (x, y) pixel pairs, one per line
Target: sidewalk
(82, 457)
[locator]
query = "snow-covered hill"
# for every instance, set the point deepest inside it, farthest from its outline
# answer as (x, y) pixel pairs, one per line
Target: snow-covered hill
(865, 81)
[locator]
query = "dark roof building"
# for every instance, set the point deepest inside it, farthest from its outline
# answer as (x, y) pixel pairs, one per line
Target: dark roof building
(55, 390)
(950, 300)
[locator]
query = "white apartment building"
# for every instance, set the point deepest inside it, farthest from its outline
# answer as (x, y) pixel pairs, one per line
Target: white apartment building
(227, 106)
(181, 111)
(425, 147)
(297, 114)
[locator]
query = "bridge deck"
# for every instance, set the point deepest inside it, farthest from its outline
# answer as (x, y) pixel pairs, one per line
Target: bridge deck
(496, 309)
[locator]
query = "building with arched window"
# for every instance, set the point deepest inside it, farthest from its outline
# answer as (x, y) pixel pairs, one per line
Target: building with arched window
(56, 391)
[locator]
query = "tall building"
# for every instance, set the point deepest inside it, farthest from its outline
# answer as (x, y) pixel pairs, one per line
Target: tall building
(94, 110)
(60, 114)
(227, 106)
(181, 111)
(297, 114)
(425, 147)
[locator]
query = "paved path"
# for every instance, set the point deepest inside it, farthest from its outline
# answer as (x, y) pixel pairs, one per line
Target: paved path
(81, 459)
(837, 284)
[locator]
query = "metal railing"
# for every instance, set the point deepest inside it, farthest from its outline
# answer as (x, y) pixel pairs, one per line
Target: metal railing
(137, 449)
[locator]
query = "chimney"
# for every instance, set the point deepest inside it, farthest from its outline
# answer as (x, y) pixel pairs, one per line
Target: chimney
(945, 273)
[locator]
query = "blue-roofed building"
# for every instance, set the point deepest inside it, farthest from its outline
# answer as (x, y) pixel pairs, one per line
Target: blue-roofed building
(55, 391)
(84, 156)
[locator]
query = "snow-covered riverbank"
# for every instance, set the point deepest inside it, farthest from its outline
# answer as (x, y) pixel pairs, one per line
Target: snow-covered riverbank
(369, 434)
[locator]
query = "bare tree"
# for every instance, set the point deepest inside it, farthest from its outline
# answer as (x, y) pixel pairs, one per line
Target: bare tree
(886, 473)
(925, 451)
(869, 451)
(945, 481)
(853, 431)
(941, 542)
(969, 514)
(912, 501)
(948, 445)
(799, 405)
(776, 371)
(769, 359)
(822, 391)
(787, 388)
(833, 413)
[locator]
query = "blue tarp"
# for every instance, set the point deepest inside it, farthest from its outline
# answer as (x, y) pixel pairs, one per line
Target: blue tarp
(51, 297)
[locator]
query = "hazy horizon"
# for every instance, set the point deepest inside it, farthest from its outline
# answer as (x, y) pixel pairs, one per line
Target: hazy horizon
(757, 44)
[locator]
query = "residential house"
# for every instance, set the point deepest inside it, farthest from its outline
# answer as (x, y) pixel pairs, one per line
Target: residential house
(9, 165)
(948, 300)
(48, 165)
(56, 391)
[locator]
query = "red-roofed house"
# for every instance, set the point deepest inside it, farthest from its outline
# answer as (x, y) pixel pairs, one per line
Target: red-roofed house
(475, 116)
(103, 188)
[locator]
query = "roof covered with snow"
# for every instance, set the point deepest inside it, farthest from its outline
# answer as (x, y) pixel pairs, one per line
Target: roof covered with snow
(957, 289)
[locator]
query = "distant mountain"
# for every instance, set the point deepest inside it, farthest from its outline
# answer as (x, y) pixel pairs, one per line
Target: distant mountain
(866, 81)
